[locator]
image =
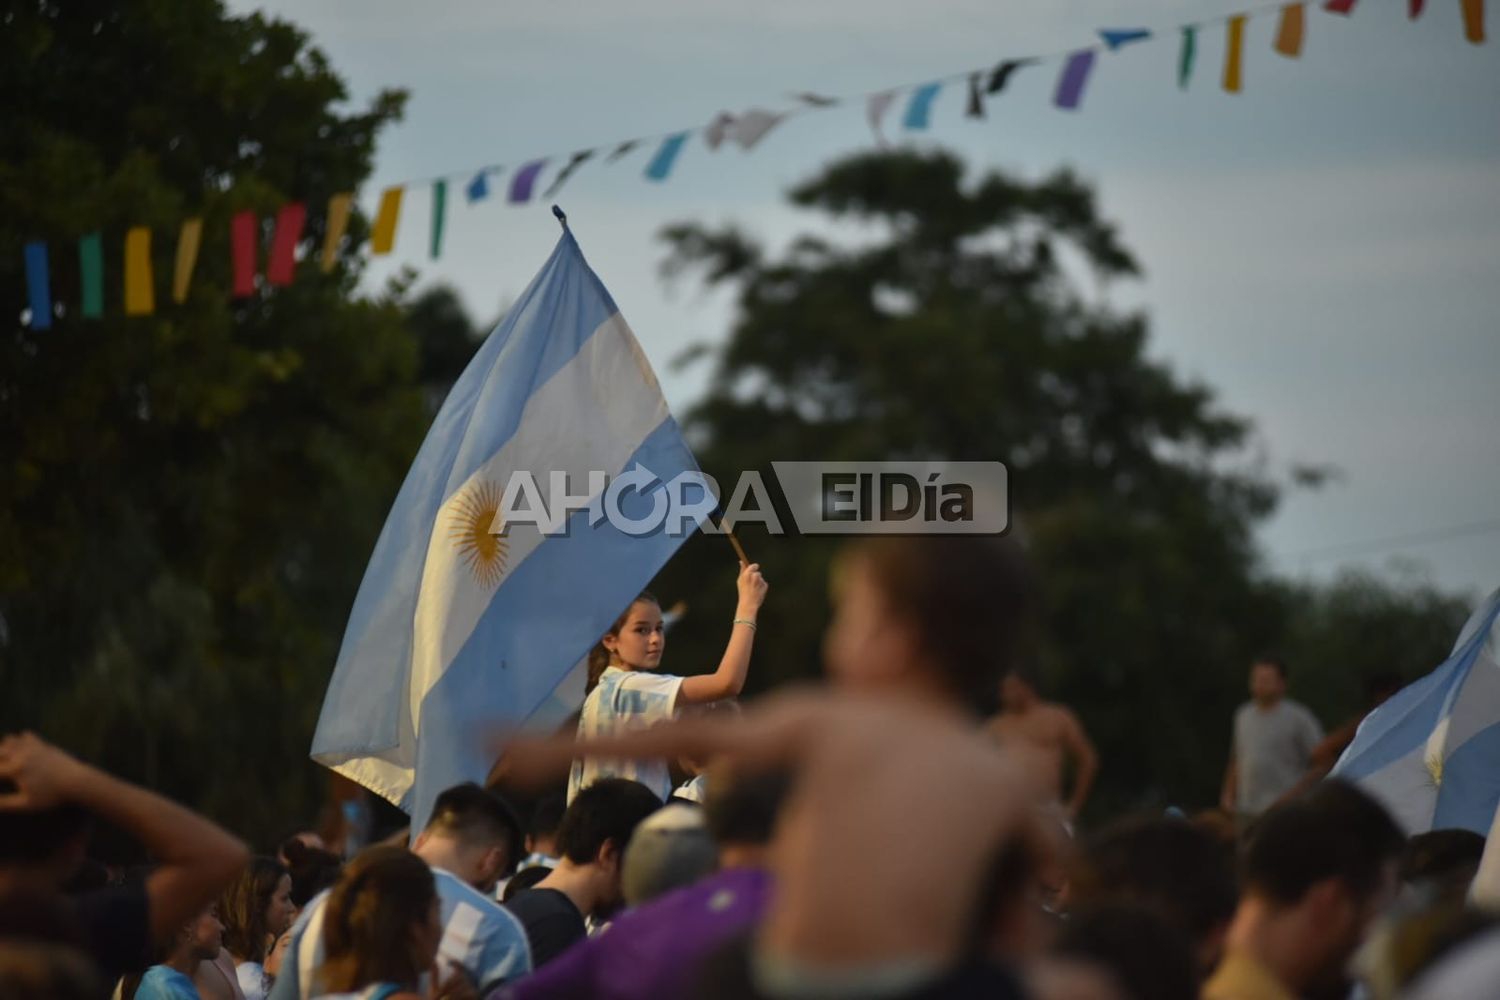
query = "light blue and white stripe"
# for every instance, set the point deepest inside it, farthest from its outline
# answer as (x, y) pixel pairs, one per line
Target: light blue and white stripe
(437, 656)
(1432, 752)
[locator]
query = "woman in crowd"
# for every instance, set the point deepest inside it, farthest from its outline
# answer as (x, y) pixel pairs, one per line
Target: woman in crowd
(381, 930)
(256, 909)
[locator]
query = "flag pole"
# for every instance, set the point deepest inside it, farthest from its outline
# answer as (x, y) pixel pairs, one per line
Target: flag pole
(725, 525)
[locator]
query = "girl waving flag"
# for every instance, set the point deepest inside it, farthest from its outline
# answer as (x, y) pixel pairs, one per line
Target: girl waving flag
(626, 692)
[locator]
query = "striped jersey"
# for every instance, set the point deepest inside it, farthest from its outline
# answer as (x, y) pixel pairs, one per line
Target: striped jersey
(625, 699)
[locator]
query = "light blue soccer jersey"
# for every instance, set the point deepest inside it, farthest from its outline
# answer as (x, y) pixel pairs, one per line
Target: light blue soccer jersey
(625, 699)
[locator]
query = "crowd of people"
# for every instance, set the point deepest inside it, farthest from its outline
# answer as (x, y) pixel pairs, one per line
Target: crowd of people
(869, 838)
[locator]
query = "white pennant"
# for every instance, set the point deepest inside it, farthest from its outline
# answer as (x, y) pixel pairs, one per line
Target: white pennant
(879, 104)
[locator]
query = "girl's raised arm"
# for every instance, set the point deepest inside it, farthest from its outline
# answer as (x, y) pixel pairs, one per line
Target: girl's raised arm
(729, 679)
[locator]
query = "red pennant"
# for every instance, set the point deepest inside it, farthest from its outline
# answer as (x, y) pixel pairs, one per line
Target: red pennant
(1340, 6)
(1416, 8)
(289, 221)
(242, 250)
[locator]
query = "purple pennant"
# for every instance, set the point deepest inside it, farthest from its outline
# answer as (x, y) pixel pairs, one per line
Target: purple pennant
(524, 181)
(1074, 75)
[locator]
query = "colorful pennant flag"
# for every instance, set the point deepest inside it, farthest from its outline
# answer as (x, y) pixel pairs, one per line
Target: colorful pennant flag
(1415, 8)
(525, 179)
(975, 106)
(188, 238)
(478, 188)
(242, 251)
(383, 233)
(577, 160)
(1001, 74)
(283, 263)
(753, 125)
(919, 109)
(1289, 31)
(140, 291)
(1074, 75)
(439, 212)
(717, 129)
(1474, 20)
(1234, 50)
(1345, 7)
(661, 164)
(622, 150)
(91, 275)
(875, 111)
(338, 221)
(38, 286)
(1187, 55)
(1117, 38)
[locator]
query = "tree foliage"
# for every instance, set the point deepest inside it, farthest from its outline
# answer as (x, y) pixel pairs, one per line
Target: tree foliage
(187, 498)
(968, 318)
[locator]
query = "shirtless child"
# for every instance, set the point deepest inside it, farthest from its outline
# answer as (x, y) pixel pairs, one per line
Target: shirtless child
(1048, 733)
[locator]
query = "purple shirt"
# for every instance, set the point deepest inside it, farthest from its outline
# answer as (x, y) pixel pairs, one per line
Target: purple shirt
(654, 950)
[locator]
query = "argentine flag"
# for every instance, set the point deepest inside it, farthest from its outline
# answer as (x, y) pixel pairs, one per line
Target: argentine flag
(459, 630)
(1432, 752)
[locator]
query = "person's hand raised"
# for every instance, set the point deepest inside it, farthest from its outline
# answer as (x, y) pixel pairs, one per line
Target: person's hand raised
(42, 775)
(752, 587)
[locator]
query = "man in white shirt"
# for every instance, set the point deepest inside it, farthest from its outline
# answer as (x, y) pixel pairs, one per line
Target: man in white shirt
(471, 839)
(1273, 742)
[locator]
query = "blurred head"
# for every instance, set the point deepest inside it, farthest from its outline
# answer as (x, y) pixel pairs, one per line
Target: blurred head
(741, 807)
(598, 825)
(546, 817)
(381, 924)
(1448, 858)
(255, 908)
(1325, 866)
(36, 914)
(634, 642)
(1170, 867)
(204, 936)
(313, 869)
(473, 833)
(1268, 680)
(670, 849)
(1147, 957)
(35, 971)
(929, 613)
(306, 838)
(49, 844)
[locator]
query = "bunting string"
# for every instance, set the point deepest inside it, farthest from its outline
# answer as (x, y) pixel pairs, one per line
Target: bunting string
(745, 129)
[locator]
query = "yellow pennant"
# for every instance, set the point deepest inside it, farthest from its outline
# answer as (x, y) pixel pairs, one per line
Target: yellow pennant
(140, 299)
(333, 232)
(1474, 20)
(1289, 31)
(1234, 50)
(187, 258)
(383, 235)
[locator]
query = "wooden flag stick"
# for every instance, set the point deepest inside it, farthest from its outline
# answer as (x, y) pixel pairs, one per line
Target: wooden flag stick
(726, 526)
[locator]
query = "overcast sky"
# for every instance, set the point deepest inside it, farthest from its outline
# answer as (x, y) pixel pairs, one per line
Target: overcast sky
(1321, 248)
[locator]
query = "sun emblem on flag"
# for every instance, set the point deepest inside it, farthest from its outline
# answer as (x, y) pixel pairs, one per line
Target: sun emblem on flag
(470, 528)
(1435, 769)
